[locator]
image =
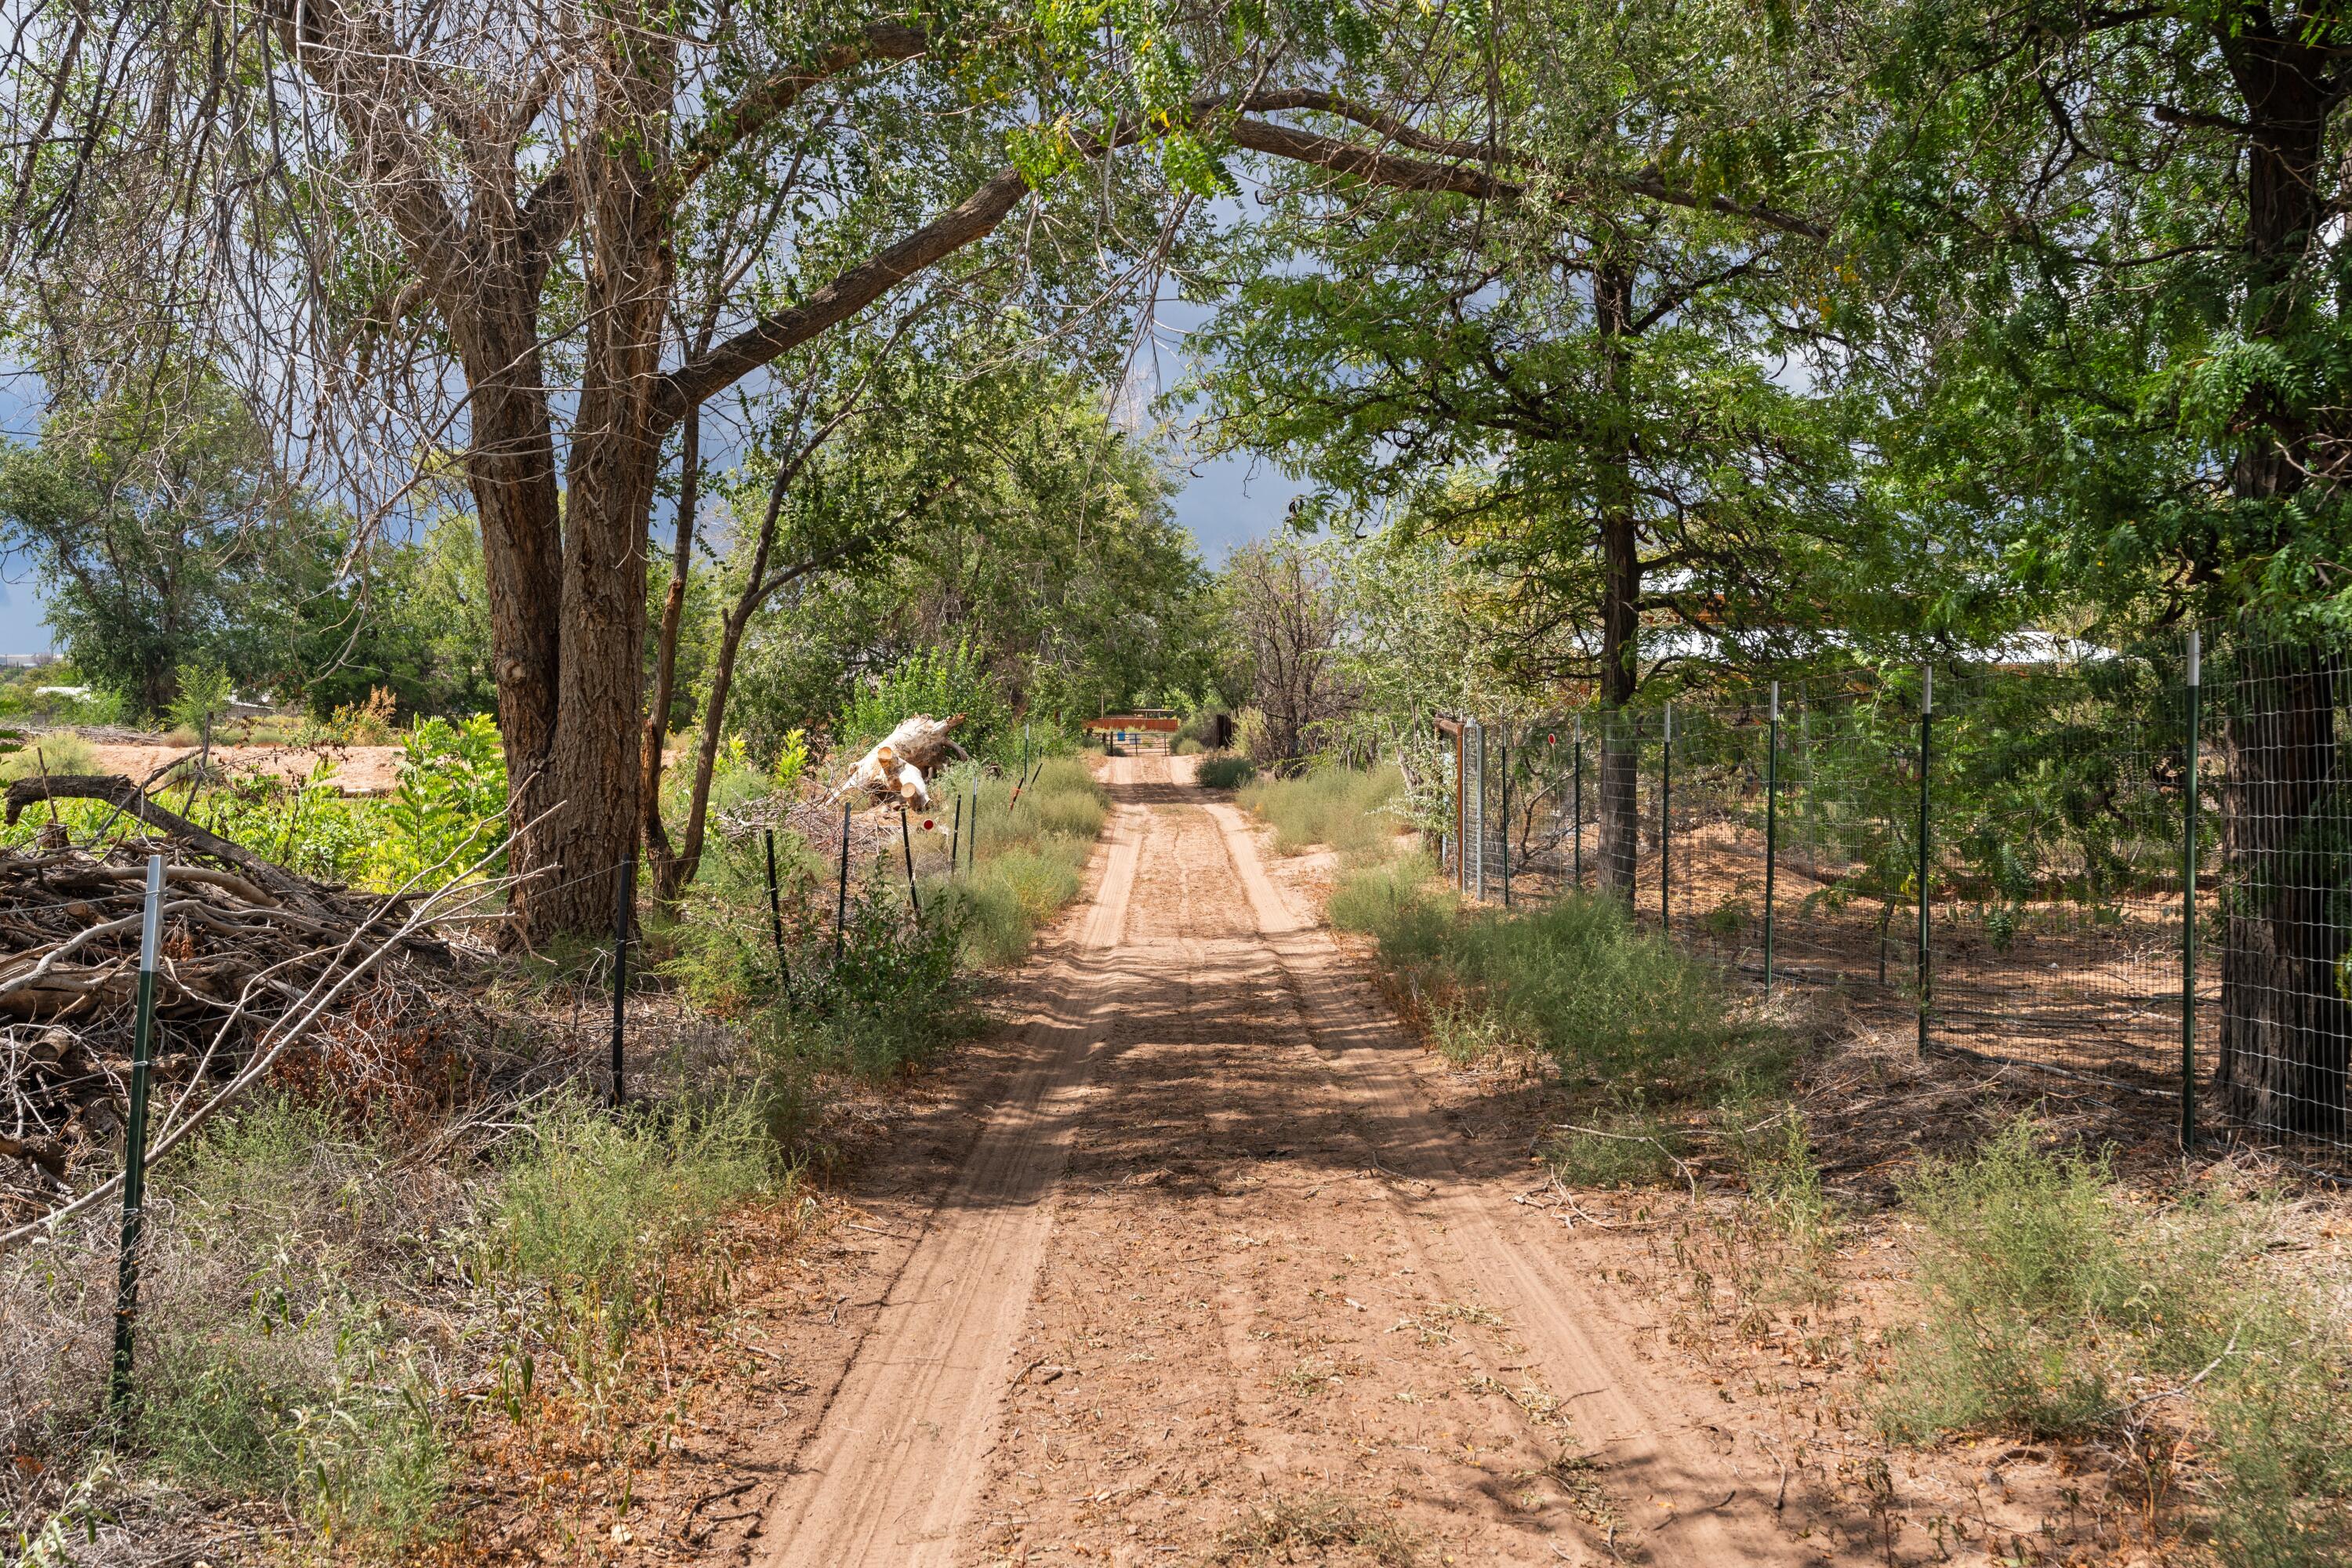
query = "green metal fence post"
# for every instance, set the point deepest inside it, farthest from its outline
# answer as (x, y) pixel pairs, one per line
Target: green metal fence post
(1504, 750)
(841, 897)
(1926, 721)
(1666, 826)
(623, 907)
(1771, 824)
(2190, 792)
(776, 919)
(1576, 739)
(907, 843)
(134, 1142)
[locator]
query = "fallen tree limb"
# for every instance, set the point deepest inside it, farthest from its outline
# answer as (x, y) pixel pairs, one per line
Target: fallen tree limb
(118, 792)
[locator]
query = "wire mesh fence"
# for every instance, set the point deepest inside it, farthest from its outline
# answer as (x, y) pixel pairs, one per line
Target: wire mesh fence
(2133, 865)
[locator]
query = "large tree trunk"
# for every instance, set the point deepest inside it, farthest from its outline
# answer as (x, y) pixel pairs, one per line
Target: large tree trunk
(1621, 592)
(588, 791)
(2283, 1019)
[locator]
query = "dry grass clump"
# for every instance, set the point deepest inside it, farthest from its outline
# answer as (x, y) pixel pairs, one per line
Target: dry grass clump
(1276, 1532)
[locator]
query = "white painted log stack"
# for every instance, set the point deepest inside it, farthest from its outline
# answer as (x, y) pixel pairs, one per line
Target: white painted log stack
(898, 769)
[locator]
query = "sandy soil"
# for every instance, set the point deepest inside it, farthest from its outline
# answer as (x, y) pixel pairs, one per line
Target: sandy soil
(359, 770)
(1210, 1256)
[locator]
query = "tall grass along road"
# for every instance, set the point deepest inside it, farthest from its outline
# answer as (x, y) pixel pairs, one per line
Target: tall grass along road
(1216, 1283)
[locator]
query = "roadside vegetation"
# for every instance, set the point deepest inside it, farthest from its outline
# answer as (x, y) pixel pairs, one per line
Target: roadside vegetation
(337, 1257)
(2062, 1306)
(2054, 1303)
(1342, 808)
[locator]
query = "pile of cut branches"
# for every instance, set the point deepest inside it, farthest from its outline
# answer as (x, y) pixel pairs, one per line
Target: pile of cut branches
(252, 957)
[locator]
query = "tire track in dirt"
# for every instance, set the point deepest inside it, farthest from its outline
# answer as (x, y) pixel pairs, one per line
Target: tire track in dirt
(896, 1458)
(1655, 1443)
(1232, 1319)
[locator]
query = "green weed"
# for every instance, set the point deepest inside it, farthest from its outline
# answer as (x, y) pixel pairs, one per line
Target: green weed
(1629, 1147)
(1223, 769)
(591, 1205)
(1343, 807)
(2055, 1309)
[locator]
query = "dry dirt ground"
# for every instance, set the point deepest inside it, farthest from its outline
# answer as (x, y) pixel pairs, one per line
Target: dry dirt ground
(359, 770)
(1202, 1258)
(1196, 1263)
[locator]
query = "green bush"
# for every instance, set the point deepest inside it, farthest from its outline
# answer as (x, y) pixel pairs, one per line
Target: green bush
(897, 993)
(941, 682)
(52, 751)
(308, 828)
(1346, 808)
(449, 810)
(2055, 1308)
(1223, 769)
(1627, 1147)
(591, 1205)
(1575, 977)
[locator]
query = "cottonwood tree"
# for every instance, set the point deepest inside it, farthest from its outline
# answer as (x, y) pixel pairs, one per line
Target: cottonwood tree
(406, 226)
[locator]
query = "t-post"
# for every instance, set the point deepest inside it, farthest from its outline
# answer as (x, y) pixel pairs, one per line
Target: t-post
(134, 1140)
(1771, 823)
(776, 919)
(1926, 732)
(841, 892)
(2190, 790)
(1666, 827)
(1576, 814)
(1502, 754)
(907, 843)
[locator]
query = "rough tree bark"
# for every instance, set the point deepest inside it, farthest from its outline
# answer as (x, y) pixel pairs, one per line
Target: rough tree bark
(2285, 1022)
(1621, 594)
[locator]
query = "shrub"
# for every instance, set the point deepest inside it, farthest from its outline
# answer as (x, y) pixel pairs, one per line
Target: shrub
(941, 682)
(1346, 808)
(1401, 904)
(592, 1206)
(51, 752)
(449, 807)
(1628, 1147)
(897, 995)
(202, 700)
(1225, 770)
(2048, 1298)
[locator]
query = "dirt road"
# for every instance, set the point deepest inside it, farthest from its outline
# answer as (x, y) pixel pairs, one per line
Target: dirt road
(1217, 1274)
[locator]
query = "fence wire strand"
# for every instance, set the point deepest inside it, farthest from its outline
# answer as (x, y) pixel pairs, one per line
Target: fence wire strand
(2061, 802)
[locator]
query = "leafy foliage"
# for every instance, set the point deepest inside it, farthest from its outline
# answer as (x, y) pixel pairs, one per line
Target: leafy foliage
(449, 808)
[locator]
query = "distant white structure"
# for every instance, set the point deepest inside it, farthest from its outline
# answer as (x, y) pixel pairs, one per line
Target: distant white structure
(29, 660)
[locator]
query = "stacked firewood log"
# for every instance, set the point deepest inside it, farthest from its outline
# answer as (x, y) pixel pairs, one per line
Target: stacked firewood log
(244, 944)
